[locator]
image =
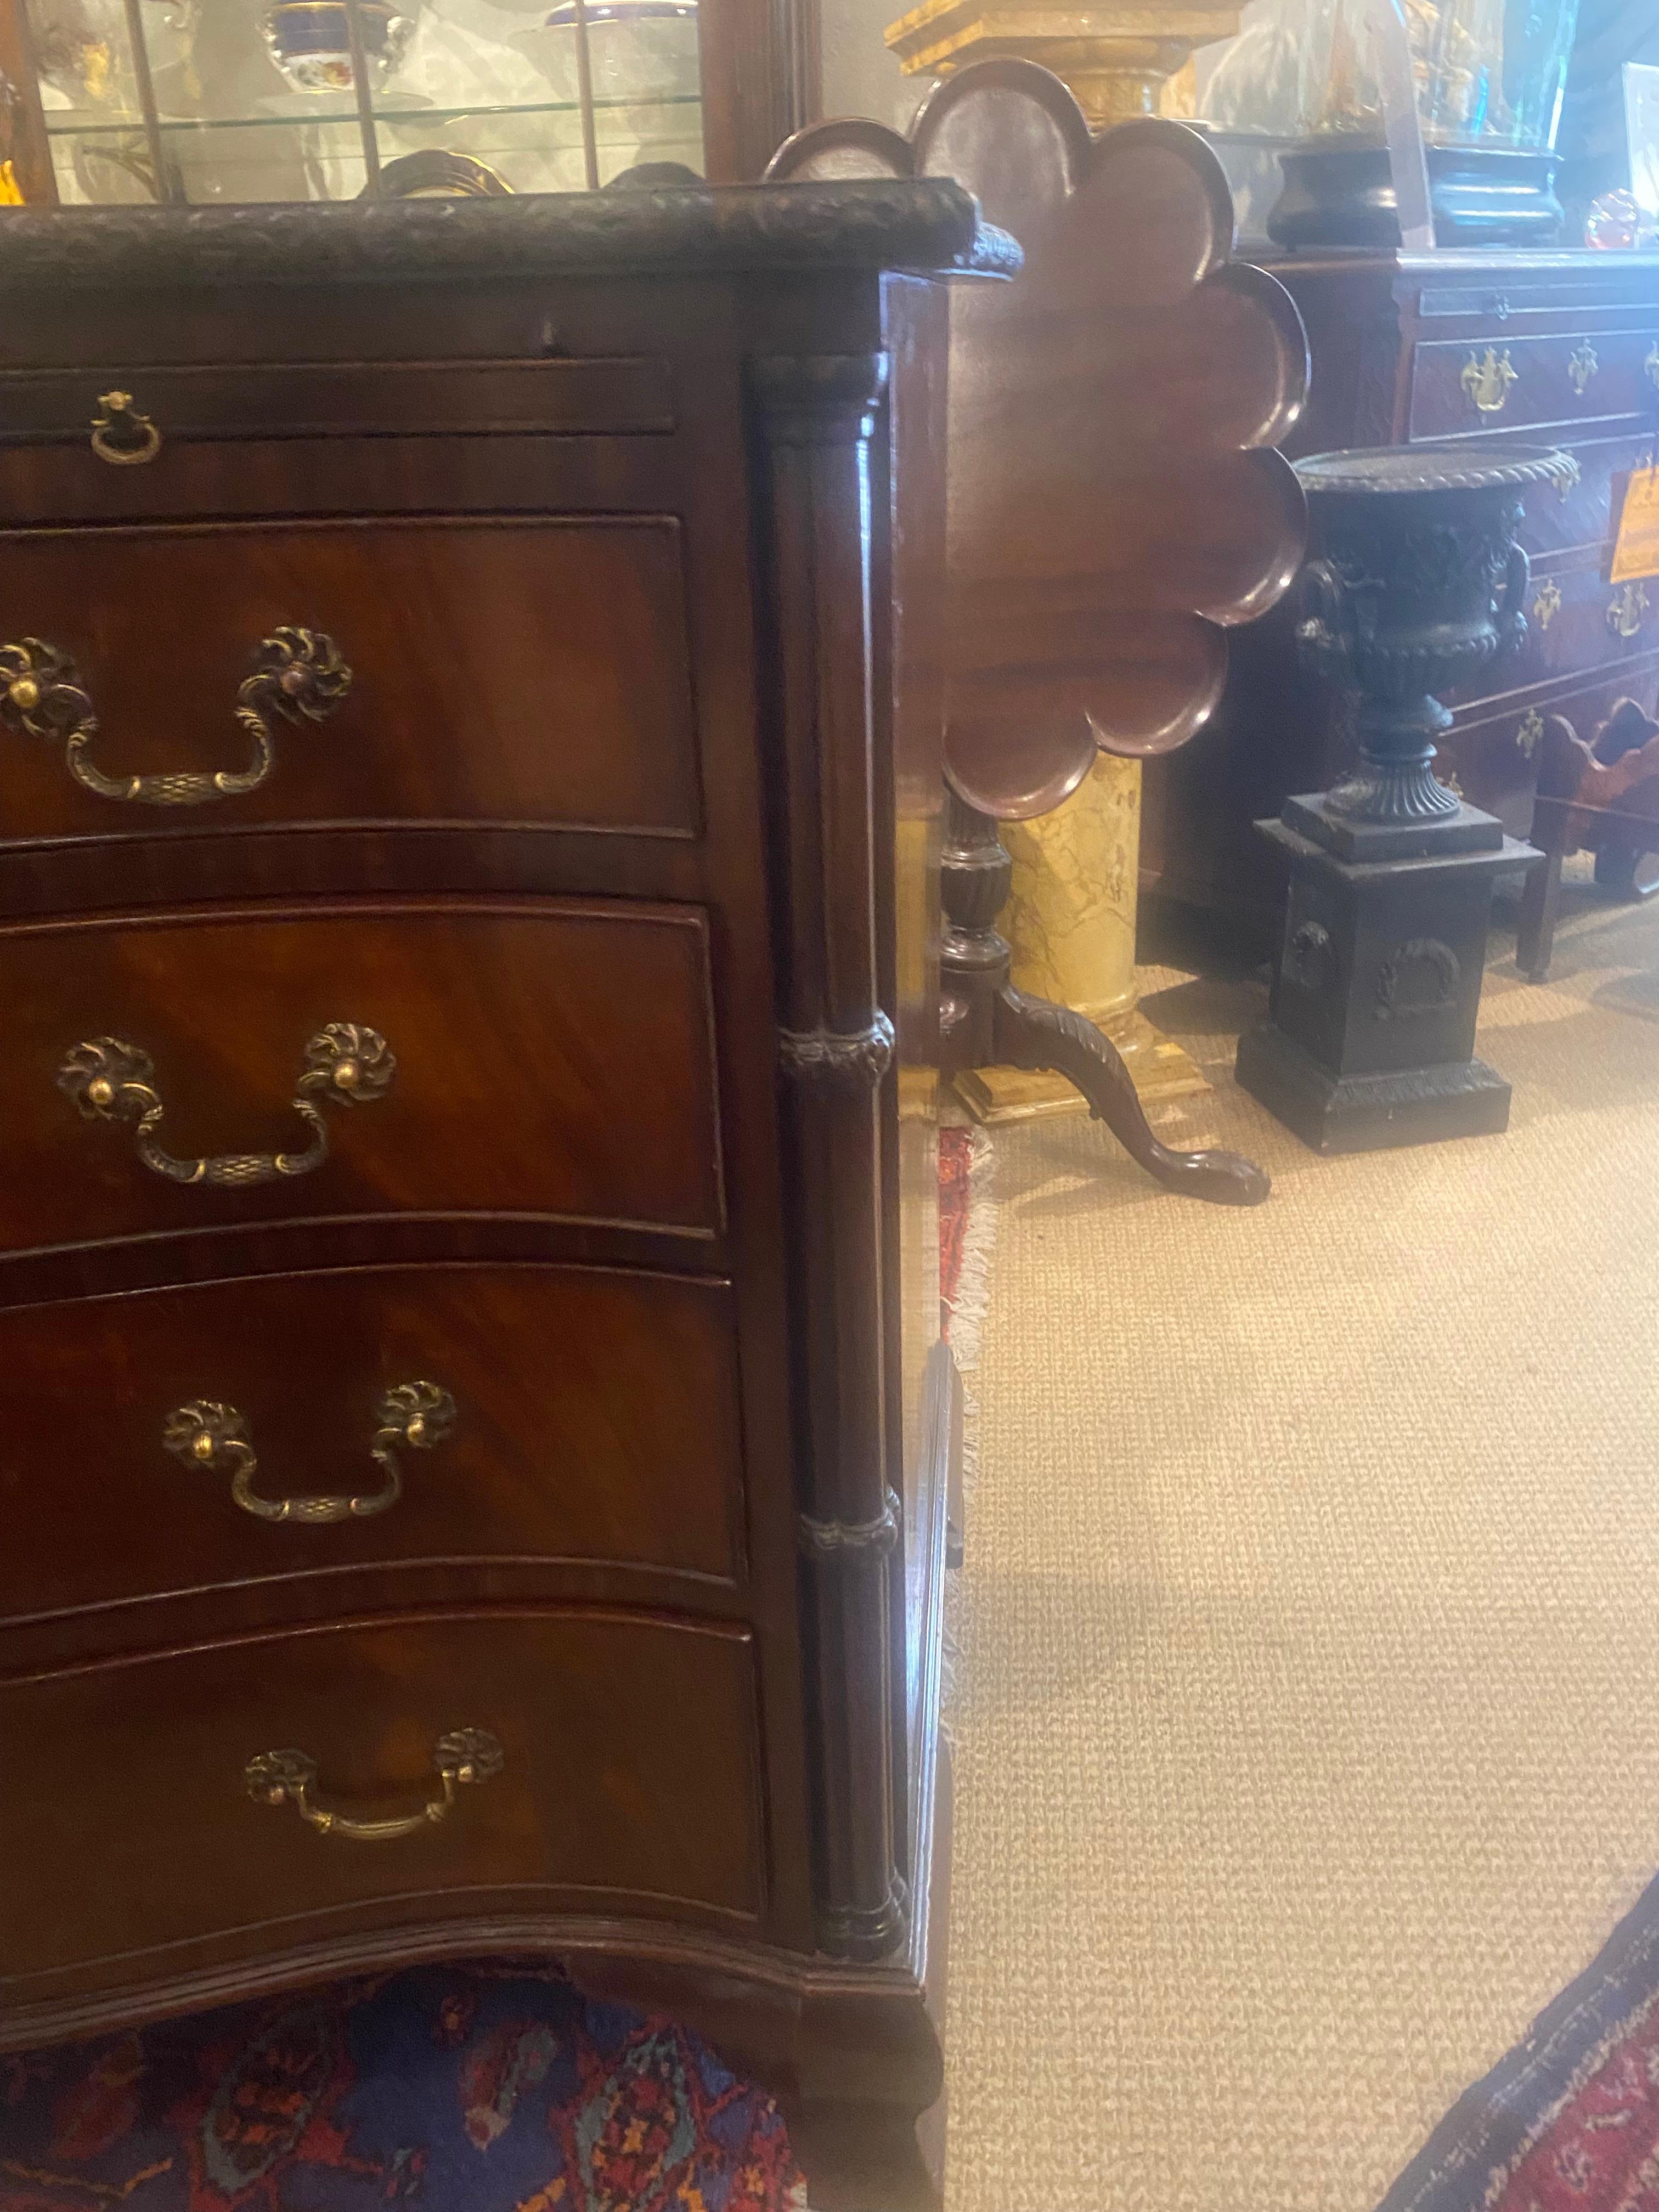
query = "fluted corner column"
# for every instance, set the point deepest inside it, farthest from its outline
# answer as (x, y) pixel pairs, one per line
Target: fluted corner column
(816, 416)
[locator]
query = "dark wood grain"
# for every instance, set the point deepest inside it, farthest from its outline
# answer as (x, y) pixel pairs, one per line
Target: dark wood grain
(514, 1026)
(596, 1420)
(1116, 502)
(593, 396)
(1543, 394)
(582, 1205)
(139, 1832)
(504, 669)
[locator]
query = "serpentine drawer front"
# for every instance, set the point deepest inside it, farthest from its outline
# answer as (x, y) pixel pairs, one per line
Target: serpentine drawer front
(525, 670)
(368, 1057)
(238, 1433)
(152, 1804)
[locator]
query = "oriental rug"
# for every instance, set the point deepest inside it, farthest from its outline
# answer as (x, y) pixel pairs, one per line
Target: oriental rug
(481, 2089)
(1569, 2121)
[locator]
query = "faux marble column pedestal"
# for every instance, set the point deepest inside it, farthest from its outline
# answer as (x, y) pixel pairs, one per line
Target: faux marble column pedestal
(1070, 923)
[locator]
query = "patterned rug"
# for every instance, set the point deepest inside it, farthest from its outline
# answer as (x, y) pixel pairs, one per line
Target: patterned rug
(484, 2089)
(1569, 2122)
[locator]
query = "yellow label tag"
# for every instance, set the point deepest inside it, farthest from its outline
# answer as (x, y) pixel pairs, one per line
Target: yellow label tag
(9, 195)
(1636, 549)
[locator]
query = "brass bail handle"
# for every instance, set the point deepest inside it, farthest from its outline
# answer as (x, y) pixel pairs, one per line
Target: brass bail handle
(417, 1416)
(120, 434)
(298, 676)
(464, 1756)
(111, 1080)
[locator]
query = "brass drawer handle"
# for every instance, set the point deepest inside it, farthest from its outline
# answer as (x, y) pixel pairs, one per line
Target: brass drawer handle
(1487, 381)
(1651, 366)
(298, 674)
(111, 1081)
(285, 1778)
(417, 1414)
(121, 435)
(1583, 366)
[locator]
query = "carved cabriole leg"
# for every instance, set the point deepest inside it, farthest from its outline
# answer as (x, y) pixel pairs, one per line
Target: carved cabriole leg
(984, 1022)
(816, 417)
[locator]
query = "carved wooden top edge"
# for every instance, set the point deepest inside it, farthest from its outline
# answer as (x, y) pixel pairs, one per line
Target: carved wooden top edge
(928, 224)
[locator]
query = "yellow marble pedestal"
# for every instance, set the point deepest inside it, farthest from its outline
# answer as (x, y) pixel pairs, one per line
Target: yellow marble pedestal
(1070, 920)
(1115, 55)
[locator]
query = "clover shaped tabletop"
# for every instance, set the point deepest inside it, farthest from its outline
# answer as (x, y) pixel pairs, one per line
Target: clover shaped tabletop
(1117, 501)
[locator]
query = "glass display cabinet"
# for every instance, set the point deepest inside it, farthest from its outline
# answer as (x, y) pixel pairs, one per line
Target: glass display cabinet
(1335, 93)
(198, 101)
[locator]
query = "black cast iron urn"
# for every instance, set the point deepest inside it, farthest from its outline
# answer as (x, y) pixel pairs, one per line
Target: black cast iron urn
(1417, 584)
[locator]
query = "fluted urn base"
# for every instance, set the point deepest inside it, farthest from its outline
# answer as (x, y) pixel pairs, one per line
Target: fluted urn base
(1394, 807)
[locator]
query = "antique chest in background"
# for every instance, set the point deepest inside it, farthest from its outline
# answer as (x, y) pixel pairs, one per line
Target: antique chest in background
(1533, 349)
(476, 1435)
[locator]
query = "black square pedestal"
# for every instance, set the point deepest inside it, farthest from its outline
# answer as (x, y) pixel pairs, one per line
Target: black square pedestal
(1370, 1035)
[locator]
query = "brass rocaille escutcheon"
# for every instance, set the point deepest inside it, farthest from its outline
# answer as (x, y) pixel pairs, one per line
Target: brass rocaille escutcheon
(1486, 380)
(1627, 609)
(111, 1080)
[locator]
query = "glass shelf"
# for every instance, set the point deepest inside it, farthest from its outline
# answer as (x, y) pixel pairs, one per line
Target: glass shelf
(392, 118)
(217, 101)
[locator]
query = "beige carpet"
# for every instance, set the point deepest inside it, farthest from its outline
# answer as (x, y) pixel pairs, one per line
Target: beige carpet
(1307, 1695)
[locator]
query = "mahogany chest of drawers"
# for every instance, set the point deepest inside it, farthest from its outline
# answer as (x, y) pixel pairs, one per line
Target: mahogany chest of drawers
(476, 1437)
(1559, 350)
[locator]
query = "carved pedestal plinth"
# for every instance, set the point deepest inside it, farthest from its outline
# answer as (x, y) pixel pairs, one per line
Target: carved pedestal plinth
(1371, 1035)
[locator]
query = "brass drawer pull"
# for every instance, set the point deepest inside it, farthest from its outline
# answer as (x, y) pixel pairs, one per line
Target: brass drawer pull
(1583, 368)
(298, 674)
(285, 1778)
(121, 435)
(208, 1435)
(1487, 381)
(113, 1081)
(1627, 609)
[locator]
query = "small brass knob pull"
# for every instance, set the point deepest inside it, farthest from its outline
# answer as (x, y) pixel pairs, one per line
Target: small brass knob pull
(111, 1080)
(121, 435)
(465, 1756)
(1486, 380)
(213, 1436)
(298, 675)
